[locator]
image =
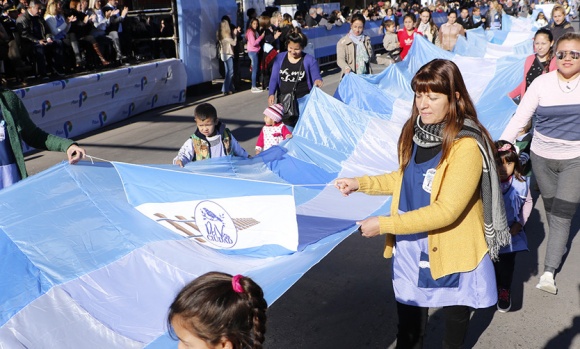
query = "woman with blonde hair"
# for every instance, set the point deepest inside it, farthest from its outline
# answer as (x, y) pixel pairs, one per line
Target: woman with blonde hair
(60, 27)
(560, 25)
(227, 42)
(285, 27)
(493, 16)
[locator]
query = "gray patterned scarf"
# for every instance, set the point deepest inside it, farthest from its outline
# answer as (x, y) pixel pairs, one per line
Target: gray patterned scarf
(497, 232)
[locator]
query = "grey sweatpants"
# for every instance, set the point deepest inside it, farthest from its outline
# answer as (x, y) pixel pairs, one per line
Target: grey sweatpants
(559, 182)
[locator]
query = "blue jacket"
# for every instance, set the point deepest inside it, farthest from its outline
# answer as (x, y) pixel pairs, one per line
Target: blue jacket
(310, 66)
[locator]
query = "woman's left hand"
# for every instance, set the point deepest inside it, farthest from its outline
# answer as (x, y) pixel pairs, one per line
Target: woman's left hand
(369, 227)
(318, 83)
(75, 153)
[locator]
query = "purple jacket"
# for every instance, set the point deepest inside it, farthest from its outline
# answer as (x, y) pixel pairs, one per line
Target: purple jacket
(310, 66)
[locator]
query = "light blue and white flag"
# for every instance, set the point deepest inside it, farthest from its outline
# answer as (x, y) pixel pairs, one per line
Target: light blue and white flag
(93, 254)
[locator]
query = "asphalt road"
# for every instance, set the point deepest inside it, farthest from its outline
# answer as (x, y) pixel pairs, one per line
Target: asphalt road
(346, 301)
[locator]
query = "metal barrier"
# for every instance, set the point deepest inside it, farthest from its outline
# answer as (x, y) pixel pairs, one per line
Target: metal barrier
(170, 11)
(322, 42)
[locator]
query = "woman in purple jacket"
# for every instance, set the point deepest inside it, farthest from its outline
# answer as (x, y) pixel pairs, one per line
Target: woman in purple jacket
(293, 71)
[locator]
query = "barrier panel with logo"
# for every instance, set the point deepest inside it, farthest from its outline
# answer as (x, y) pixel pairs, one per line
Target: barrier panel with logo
(75, 106)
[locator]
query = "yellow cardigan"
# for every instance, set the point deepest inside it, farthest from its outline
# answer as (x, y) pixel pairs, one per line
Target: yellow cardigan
(454, 218)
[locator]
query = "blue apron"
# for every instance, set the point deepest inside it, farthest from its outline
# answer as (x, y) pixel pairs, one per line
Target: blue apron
(514, 197)
(9, 173)
(412, 280)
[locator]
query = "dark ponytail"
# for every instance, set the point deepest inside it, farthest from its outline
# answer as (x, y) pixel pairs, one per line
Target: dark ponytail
(258, 304)
(296, 36)
(216, 306)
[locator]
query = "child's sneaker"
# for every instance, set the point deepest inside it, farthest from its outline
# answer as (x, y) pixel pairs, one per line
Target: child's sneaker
(547, 283)
(504, 300)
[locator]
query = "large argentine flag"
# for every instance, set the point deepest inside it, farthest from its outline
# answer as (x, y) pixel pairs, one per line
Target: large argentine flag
(93, 254)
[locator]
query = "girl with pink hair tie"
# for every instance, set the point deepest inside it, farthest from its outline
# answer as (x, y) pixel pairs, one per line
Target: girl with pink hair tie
(218, 310)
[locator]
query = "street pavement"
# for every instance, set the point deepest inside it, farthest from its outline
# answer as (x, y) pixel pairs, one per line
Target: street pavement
(346, 300)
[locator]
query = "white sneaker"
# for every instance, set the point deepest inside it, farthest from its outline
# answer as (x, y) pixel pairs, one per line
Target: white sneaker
(256, 90)
(547, 283)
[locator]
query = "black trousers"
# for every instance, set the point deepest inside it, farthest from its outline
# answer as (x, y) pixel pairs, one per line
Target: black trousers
(504, 269)
(413, 321)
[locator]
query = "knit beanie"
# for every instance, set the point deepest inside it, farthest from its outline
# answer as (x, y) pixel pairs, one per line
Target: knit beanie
(275, 112)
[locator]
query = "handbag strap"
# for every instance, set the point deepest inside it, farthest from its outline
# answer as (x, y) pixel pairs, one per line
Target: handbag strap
(298, 76)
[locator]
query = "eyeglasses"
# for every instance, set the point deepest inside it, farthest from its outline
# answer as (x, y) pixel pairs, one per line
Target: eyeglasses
(573, 54)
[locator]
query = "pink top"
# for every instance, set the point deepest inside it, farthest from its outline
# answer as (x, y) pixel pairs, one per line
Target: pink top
(253, 41)
(521, 89)
(272, 135)
(557, 107)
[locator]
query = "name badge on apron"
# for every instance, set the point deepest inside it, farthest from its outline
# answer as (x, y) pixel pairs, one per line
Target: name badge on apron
(428, 180)
(2, 131)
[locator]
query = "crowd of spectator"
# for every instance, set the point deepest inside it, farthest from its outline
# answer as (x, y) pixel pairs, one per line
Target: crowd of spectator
(42, 40)
(470, 13)
(266, 34)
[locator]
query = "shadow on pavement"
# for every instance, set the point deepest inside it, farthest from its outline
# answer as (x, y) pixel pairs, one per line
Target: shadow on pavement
(566, 336)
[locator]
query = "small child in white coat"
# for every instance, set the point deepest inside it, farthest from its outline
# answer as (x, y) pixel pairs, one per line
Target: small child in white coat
(274, 131)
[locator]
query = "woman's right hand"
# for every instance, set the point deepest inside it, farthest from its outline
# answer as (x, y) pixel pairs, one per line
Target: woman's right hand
(271, 100)
(346, 185)
(346, 71)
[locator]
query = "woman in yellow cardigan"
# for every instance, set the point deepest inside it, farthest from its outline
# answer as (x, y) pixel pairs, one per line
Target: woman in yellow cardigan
(447, 219)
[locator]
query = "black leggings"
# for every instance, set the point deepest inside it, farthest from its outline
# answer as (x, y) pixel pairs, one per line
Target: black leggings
(413, 321)
(504, 269)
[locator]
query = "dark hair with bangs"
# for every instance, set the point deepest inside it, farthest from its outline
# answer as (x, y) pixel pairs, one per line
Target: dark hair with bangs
(212, 310)
(509, 155)
(440, 76)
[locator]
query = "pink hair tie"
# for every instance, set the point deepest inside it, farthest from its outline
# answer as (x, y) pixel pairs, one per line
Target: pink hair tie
(505, 147)
(236, 284)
